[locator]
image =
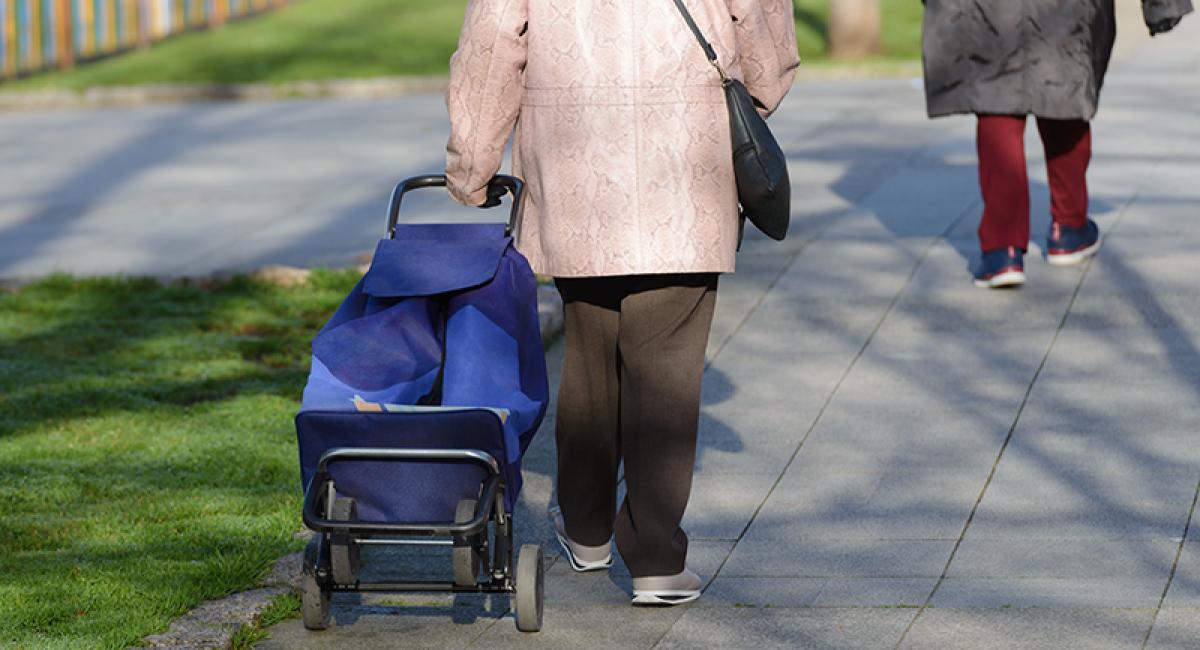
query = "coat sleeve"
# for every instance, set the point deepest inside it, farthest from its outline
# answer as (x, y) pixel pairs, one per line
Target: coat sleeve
(484, 97)
(766, 34)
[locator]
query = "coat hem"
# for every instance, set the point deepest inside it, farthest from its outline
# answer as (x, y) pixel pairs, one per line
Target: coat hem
(1048, 115)
(720, 270)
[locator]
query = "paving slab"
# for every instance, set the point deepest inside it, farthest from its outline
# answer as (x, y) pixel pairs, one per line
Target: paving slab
(884, 505)
(592, 627)
(722, 506)
(944, 362)
(1101, 407)
(1148, 455)
(1185, 584)
(1034, 495)
(1175, 629)
(995, 401)
(749, 458)
(405, 624)
(788, 554)
(729, 591)
(1062, 593)
(977, 312)
(1050, 558)
(732, 427)
(849, 439)
(1136, 356)
(919, 201)
(1136, 305)
(788, 628)
(855, 268)
(875, 592)
(1029, 629)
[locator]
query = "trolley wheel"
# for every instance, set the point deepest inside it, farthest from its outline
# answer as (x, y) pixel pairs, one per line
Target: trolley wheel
(314, 599)
(466, 552)
(531, 587)
(344, 558)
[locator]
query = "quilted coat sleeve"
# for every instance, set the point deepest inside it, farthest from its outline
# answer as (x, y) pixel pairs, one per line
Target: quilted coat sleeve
(484, 97)
(766, 33)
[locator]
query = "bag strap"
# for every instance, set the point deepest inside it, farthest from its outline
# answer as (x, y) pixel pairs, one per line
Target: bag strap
(704, 44)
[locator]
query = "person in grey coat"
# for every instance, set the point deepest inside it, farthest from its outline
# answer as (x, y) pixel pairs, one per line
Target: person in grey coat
(1002, 61)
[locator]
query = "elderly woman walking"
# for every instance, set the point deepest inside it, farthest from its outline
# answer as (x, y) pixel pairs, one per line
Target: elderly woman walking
(1004, 60)
(622, 134)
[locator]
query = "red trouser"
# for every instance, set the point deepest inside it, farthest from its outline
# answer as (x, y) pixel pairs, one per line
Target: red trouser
(1005, 184)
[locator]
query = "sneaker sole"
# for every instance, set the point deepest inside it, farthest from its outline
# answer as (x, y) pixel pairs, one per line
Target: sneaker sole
(665, 598)
(578, 565)
(1072, 259)
(1001, 280)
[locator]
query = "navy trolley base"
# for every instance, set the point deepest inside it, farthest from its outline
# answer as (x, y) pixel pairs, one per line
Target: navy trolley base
(332, 557)
(391, 468)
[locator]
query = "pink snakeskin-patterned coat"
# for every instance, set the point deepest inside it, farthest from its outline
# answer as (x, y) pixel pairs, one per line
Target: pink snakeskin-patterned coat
(622, 132)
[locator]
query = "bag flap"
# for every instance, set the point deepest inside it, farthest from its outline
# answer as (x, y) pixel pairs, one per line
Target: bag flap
(432, 266)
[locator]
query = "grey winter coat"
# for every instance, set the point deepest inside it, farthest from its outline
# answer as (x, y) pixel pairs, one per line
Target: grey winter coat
(1021, 57)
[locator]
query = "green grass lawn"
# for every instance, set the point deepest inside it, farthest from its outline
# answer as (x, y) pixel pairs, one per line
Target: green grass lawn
(147, 453)
(312, 39)
(325, 39)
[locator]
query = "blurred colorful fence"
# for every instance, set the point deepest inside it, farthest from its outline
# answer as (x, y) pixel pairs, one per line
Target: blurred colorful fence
(39, 34)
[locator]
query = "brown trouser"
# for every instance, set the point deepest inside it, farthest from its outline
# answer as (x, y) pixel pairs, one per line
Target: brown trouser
(630, 392)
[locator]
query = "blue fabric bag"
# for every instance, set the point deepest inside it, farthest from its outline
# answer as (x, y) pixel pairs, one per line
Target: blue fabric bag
(438, 346)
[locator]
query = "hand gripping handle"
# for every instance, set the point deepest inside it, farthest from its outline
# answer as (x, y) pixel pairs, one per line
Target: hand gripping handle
(514, 185)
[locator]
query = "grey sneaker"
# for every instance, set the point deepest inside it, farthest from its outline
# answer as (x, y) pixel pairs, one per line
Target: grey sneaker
(582, 558)
(667, 590)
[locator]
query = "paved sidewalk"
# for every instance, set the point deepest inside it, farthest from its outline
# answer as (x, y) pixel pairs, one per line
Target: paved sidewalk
(889, 457)
(892, 457)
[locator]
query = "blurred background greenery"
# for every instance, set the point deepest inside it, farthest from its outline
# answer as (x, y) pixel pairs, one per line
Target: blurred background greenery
(328, 39)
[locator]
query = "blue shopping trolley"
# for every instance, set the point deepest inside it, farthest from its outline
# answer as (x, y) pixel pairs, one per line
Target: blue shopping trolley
(427, 386)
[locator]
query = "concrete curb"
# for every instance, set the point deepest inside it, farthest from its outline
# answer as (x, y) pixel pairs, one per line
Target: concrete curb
(214, 624)
(373, 88)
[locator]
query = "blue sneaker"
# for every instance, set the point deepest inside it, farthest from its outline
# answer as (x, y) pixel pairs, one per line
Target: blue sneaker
(1001, 268)
(1070, 246)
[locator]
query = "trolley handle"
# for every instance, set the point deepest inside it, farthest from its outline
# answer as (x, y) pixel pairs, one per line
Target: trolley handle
(373, 453)
(514, 185)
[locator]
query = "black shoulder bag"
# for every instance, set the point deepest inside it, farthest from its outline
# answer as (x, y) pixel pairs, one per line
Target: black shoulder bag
(759, 166)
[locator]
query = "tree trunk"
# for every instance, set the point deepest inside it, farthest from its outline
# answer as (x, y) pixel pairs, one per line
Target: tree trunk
(854, 28)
